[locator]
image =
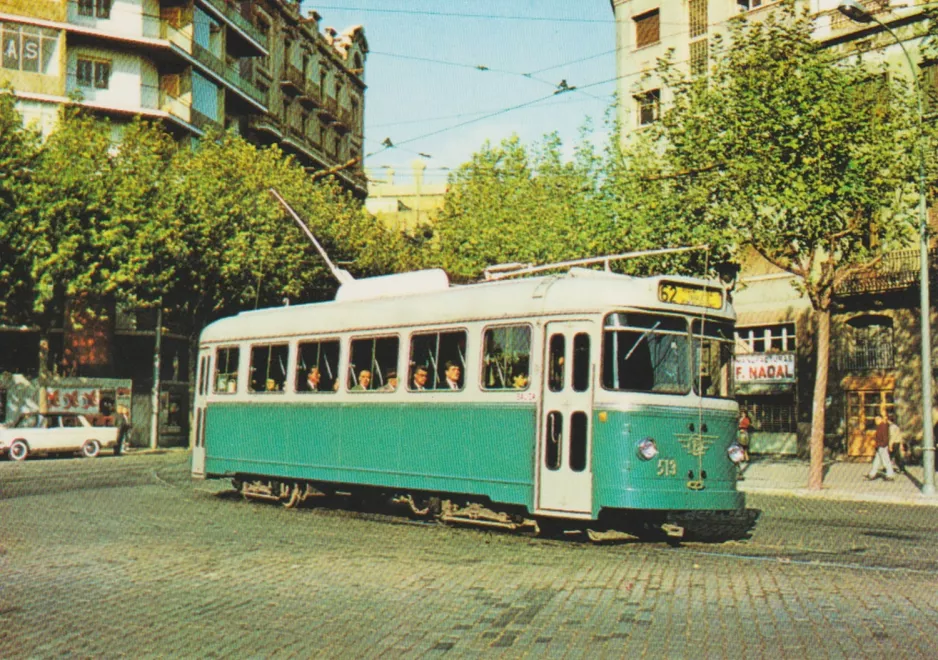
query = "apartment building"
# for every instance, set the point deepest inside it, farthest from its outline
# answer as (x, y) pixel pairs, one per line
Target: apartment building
(875, 354)
(258, 67)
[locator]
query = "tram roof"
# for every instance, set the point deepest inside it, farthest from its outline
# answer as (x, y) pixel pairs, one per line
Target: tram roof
(577, 291)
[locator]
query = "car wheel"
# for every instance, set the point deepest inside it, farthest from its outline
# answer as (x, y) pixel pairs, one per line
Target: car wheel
(90, 449)
(18, 451)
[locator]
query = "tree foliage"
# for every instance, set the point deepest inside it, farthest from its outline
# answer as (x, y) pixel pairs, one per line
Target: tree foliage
(97, 215)
(800, 152)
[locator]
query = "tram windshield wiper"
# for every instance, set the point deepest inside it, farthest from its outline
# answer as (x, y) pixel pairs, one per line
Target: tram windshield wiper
(641, 339)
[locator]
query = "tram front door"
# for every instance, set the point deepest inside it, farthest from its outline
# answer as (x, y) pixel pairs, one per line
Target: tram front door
(564, 467)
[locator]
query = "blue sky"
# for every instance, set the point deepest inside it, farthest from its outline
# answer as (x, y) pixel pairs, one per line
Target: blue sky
(422, 76)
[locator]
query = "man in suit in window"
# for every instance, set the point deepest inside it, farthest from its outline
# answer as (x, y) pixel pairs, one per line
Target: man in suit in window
(453, 373)
(420, 378)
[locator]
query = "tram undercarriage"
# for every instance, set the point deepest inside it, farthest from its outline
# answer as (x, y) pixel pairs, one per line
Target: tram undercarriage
(617, 526)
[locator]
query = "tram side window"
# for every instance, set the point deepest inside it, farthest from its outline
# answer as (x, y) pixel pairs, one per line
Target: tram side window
(506, 360)
(268, 368)
(373, 364)
(226, 370)
(443, 356)
(553, 430)
(317, 367)
(646, 353)
(556, 362)
(713, 358)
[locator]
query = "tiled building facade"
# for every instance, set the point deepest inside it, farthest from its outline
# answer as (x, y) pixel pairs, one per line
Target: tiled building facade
(258, 67)
(875, 362)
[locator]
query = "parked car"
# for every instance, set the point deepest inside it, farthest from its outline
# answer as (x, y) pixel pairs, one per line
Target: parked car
(38, 433)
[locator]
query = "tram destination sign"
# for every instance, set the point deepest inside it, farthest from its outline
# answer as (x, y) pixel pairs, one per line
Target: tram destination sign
(689, 294)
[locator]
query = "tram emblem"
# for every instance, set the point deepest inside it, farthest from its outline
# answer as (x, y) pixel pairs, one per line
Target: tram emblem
(696, 444)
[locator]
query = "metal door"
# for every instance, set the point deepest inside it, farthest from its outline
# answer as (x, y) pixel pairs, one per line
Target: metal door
(564, 465)
(197, 439)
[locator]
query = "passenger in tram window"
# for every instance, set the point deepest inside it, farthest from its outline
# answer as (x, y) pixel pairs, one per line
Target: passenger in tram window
(391, 383)
(312, 379)
(520, 381)
(420, 378)
(453, 374)
(364, 381)
(271, 385)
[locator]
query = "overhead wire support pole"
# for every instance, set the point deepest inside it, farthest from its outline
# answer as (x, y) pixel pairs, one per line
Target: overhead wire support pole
(858, 13)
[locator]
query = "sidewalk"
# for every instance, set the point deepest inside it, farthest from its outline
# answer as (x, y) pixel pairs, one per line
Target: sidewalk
(842, 481)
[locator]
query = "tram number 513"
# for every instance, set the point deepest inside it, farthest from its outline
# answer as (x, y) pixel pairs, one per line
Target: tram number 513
(667, 467)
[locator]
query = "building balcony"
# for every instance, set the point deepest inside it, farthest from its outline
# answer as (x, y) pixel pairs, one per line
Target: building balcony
(329, 107)
(867, 358)
(228, 72)
(228, 12)
(292, 80)
(266, 124)
(311, 97)
(898, 270)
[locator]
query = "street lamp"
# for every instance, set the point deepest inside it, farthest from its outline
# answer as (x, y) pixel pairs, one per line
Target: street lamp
(856, 12)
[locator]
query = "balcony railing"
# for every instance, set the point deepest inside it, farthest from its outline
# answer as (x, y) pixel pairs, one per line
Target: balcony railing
(840, 22)
(864, 358)
(228, 72)
(227, 8)
(292, 79)
(897, 270)
(312, 95)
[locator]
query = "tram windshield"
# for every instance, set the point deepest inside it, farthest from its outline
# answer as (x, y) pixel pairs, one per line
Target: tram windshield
(646, 353)
(713, 357)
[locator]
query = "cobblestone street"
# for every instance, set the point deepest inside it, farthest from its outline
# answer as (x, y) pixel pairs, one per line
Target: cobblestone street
(129, 557)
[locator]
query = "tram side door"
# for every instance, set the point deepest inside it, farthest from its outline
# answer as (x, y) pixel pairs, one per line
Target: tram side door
(564, 467)
(197, 441)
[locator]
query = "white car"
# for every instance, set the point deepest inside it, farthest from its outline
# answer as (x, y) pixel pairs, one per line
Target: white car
(37, 433)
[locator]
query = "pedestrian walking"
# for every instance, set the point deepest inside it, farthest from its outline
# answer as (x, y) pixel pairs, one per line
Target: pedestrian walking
(743, 436)
(122, 420)
(896, 448)
(881, 458)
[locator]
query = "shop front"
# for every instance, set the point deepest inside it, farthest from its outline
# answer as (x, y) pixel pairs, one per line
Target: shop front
(765, 389)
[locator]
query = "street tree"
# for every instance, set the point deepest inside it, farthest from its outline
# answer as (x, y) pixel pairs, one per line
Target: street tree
(18, 146)
(802, 152)
(513, 203)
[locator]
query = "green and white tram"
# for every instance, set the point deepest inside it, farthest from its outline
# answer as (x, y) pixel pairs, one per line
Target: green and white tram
(588, 396)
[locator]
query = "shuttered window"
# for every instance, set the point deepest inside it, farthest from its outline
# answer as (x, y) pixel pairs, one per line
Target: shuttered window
(647, 29)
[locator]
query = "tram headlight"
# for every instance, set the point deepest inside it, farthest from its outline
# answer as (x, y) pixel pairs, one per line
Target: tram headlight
(736, 453)
(647, 449)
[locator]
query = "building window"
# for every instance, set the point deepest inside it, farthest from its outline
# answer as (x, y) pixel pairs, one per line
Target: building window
(697, 18)
(95, 8)
(770, 414)
(94, 73)
(28, 48)
(648, 106)
(869, 344)
(767, 339)
(647, 29)
(699, 57)
(748, 5)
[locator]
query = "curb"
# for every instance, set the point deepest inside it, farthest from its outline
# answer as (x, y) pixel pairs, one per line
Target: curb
(841, 496)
